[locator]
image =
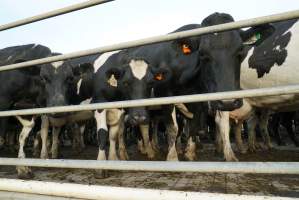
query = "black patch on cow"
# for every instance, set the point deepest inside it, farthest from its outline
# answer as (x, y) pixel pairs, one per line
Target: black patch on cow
(102, 138)
(273, 50)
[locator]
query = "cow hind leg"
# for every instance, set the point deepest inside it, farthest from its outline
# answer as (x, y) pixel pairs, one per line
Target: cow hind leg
(24, 172)
(222, 126)
(238, 137)
(264, 130)
(36, 144)
(252, 146)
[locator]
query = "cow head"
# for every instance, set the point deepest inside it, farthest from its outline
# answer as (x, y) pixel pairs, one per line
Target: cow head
(60, 81)
(221, 55)
(135, 80)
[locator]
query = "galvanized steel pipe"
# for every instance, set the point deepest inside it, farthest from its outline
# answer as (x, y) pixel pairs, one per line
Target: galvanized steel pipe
(53, 13)
(161, 38)
(283, 90)
(116, 193)
(161, 166)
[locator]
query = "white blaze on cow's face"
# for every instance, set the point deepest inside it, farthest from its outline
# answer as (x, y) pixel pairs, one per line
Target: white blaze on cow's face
(57, 64)
(138, 68)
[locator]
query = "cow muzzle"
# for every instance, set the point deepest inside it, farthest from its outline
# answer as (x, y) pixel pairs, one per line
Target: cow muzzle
(138, 118)
(227, 105)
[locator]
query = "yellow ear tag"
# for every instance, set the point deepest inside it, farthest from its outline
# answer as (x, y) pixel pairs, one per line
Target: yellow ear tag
(112, 81)
(186, 49)
(159, 77)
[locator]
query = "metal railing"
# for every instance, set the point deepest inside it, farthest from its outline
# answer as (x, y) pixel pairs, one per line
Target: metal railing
(162, 166)
(106, 192)
(53, 13)
(161, 38)
(282, 90)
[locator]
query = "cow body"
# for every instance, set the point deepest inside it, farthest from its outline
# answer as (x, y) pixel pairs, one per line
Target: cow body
(272, 63)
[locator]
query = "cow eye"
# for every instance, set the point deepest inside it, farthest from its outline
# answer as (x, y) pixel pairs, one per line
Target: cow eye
(45, 79)
(186, 49)
(70, 79)
(159, 77)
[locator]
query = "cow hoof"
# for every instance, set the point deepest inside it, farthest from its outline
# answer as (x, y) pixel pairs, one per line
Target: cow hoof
(190, 156)
(44, 155)
(24, 172)
(243, 150)
(150, 154)
(123, 155)
(100, 173)
(172, 157)
(230, 157)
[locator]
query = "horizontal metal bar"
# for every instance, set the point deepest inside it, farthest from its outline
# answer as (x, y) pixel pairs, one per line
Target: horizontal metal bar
(161, 38)
(26, 196)
(161, 166)
(283, 90)
(115, 193)
(53, 13)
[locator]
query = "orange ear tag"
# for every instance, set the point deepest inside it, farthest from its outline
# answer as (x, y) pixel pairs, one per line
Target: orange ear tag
(159, 77)
(186, 49)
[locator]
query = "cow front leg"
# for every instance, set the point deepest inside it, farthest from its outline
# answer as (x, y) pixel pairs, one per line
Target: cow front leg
(144, 129)
(223, 128)
(102, 138)
(24, 172)
(55, 142)
(123, 154)
(44, 136)
(172, 133)
(3, 124)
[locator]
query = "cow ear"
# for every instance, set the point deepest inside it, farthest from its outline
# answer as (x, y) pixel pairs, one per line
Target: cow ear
(185, 46)
(256, 35)
(83, 69)
(113, 75)
(32, 70)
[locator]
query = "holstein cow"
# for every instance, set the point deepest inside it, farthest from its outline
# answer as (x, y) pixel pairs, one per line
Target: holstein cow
(20, 85)
(61, 83)
(221, 55)
(272, 63)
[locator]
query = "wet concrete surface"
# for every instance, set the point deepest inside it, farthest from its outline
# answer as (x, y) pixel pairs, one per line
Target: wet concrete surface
(253, 184)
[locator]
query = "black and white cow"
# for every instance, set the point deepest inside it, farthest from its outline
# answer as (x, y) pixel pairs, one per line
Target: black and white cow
(272, 63)
(21, 85)
(61, 87)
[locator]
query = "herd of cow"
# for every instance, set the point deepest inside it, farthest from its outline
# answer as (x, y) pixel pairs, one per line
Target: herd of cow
(261, 56)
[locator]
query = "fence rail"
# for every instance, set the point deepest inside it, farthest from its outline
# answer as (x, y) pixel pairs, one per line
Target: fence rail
(283, 90)
(53, 13)
(115, 193)
(161, 38)
(162, 166)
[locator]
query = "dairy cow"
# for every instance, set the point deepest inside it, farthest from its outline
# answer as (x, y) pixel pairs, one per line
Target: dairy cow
(272, 63)
(21, 85)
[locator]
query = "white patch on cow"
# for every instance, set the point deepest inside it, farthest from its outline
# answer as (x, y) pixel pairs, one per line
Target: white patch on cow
(79, 85)
(102, 59)
(35, 45)
(87, 101)
(184, 110)
(286, 74)
(112, 81)
(101, 120)
(139, 68)
(9, 58)
(57, 64)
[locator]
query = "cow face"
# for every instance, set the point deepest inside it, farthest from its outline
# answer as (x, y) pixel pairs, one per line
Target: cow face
(135, 81)
(221, 55)
(60, 84)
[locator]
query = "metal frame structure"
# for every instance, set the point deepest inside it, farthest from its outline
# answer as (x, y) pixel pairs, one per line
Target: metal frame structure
(71, 191)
